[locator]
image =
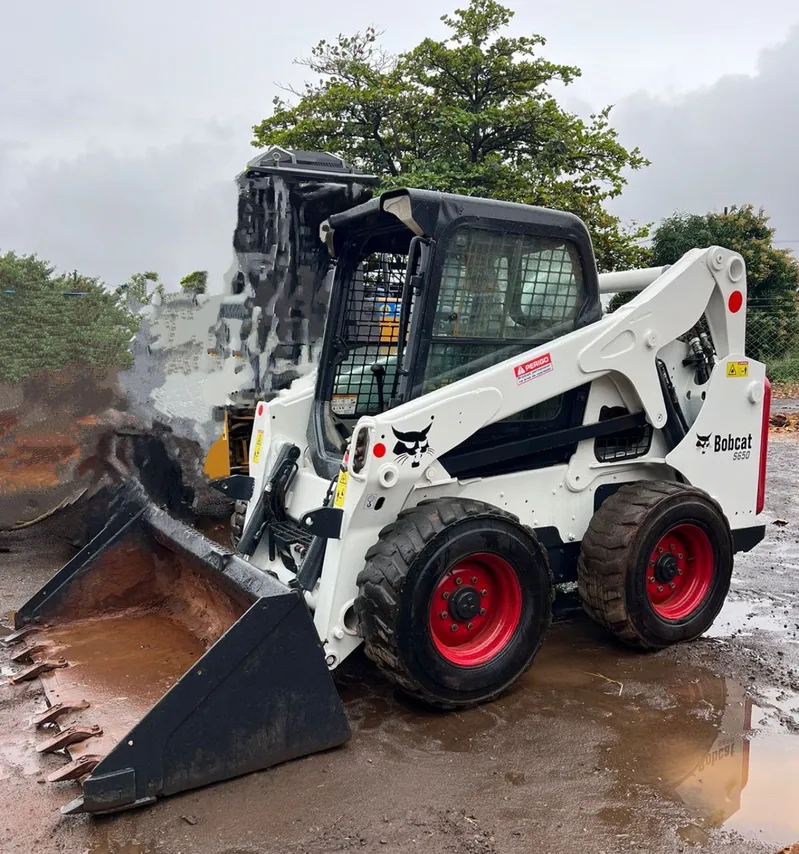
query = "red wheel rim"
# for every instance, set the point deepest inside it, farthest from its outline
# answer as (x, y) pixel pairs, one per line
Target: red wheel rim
(680, 572)
(475, 609)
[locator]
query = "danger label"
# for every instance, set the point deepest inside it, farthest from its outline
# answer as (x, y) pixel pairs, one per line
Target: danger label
(534, 368)
(737, 369)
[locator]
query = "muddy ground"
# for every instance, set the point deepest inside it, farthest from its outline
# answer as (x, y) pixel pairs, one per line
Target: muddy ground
(598, 749)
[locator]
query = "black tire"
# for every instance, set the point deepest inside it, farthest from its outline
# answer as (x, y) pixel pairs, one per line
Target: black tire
(237, 522)
(410, 564)
(615, 569)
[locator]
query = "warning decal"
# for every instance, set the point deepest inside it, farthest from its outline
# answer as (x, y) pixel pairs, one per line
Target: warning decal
(344, 404)
(341, 489)
(534, 368)
(737, 369)
(256, 453)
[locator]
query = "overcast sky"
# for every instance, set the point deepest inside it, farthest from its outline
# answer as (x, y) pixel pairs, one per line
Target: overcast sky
(122, 124)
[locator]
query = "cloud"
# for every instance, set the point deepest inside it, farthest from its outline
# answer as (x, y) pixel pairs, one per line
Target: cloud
(730, 143)
(171, 209)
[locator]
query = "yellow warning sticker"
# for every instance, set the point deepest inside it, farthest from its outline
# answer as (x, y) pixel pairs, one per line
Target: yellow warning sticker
(737, 369)
(341, 489)
(256, 451)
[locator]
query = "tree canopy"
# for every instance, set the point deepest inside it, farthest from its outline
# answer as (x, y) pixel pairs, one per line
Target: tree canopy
(49, 320)
(772, 274)
(471, 114)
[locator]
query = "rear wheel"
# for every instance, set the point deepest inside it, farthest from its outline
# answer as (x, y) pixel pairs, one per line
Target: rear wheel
(656, 563)
(454, 601)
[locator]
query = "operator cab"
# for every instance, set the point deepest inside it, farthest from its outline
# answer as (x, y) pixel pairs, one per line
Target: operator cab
(430, 288)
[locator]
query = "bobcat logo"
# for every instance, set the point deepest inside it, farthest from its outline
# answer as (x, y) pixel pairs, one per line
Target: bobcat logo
(703, 442)
(412, 445)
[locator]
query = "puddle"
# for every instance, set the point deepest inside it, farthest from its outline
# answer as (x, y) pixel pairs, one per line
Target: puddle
(693, 737)
(743, 616)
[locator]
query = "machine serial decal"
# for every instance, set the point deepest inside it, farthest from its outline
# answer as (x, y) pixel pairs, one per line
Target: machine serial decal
(534, 368)
(412, 445)
(737, 369)
(740, 446)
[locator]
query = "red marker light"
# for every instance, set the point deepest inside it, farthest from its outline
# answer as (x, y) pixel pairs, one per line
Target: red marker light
(380, 450)
(735, 301)
(260, 409)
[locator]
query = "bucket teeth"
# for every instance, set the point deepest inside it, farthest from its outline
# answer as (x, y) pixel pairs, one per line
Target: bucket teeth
(54, 712)
(17, 636)
(27, 651)
(70, 735)
(76, 769)
(35, 669)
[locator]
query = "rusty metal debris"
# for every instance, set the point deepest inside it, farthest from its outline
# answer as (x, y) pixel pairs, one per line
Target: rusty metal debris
(70, 735)
(35, 670)
(76, 769)
(52, 713)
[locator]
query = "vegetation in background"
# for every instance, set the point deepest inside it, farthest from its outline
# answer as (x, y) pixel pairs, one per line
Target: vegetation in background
(49, 320)
(471, 114)
(772, 278)
(196, 282)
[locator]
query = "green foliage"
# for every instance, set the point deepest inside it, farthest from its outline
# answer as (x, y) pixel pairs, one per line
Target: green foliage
(138, 286)
(772, 274)
(43, 329)
(471, 114)
(196, 282)
(784, 370)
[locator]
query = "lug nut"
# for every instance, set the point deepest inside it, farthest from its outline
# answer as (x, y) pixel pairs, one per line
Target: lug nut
(660, 550)
(482, 612)
(454, 627)
(671, 547)
(474, 579)
(679, 572)
(484, 593)
(445, 594)
(459, 580)
(680, 555)
(469, 626)
(671, 584)
(651, 579)
(443, 615)
(660, 589)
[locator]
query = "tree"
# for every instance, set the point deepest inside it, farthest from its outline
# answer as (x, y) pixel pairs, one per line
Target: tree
(49, 320)
(772, 274)
(471, 114)
(196, 282)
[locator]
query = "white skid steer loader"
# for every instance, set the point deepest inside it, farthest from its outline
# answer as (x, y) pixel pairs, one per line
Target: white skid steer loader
(512, 440)
(426, 495)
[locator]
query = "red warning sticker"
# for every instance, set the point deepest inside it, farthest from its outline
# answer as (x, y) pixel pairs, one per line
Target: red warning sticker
(534, 368)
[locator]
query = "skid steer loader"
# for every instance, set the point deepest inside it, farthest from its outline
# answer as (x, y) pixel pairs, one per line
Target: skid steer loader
(424, 496)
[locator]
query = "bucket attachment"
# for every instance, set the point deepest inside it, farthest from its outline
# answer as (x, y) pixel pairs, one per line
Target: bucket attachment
(169, 663)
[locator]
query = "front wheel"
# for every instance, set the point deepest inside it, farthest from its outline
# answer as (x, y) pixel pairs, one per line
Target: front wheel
(454, 601)
(656, 563)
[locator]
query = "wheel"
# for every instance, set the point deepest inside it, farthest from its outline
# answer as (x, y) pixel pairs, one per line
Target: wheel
(454, 601)
(656, 563)
(237, 522)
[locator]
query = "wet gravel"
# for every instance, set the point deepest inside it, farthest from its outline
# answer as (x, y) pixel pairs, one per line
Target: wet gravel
(598, 749)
